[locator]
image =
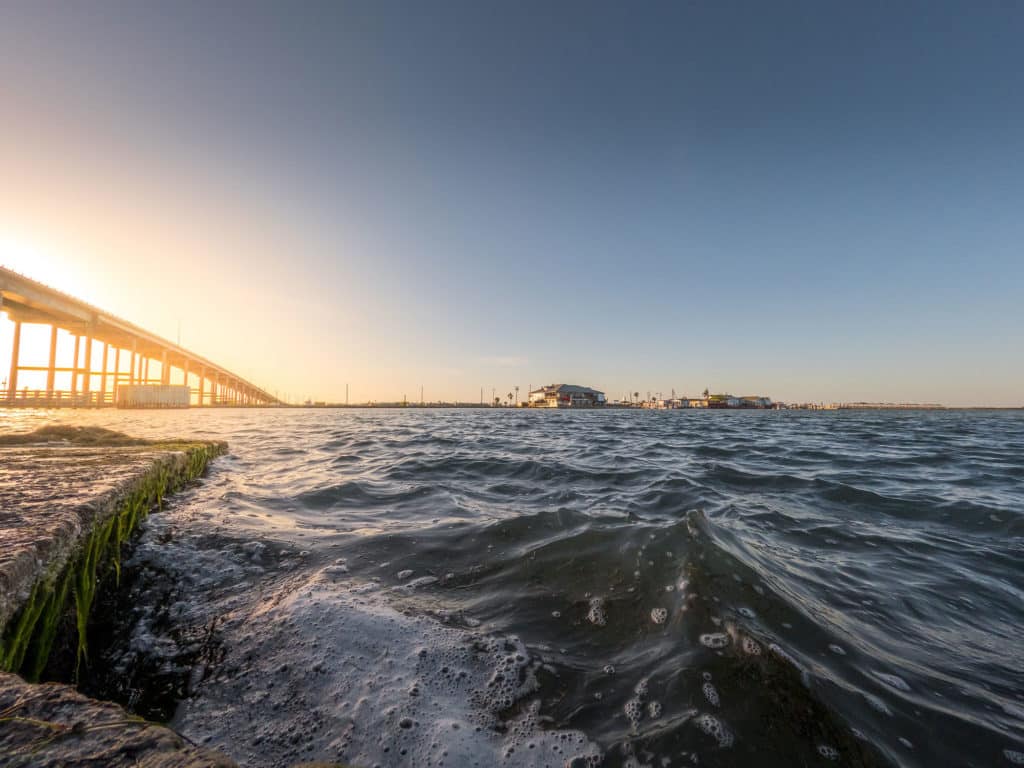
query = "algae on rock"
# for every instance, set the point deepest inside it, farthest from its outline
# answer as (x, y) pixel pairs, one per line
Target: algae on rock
(26, 641)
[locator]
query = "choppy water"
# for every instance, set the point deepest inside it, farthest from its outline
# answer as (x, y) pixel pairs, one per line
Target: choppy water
(547, 588)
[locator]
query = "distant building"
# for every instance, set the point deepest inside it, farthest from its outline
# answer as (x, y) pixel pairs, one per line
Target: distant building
(723, 401)
(566, 396)
(755, 401)
(695, 402)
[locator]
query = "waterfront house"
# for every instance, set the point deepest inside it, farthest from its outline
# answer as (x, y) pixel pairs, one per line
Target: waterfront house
(566, 396)
(755, 401)
(723, 401)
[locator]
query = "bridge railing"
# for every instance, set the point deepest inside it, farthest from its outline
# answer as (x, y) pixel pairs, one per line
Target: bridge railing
(40, 398)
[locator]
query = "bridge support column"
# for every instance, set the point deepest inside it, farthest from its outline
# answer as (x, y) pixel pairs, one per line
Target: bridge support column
(51, 371)
(103, 375)
(202, 378)
(12, 379)
(117, 373)
(145, 370)
(87, 377)
(74, 366)
(165, 372)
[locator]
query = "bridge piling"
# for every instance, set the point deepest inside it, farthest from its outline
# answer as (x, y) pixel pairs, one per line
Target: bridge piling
(12, 379)
(51, 373)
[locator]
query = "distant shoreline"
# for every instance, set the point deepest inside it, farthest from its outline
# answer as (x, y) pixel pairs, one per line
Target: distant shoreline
(616, 408)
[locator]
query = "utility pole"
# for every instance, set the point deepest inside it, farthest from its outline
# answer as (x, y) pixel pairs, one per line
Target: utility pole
(346, 394)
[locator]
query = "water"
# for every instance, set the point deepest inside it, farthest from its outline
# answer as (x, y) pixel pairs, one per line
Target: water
(531, 588)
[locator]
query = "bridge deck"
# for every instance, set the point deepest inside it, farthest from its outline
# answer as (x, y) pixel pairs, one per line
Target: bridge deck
(27, 301)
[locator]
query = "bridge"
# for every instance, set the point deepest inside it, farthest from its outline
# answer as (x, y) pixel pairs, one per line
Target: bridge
(108, 352)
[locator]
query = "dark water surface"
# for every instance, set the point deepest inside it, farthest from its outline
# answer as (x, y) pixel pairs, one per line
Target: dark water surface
(547, 588)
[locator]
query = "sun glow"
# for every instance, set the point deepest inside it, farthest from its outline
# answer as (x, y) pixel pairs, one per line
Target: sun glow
(46, 265)
(39, 263)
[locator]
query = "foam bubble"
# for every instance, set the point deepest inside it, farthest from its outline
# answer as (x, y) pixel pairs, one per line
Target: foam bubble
(642, 688)
(717, 729)
(596, 615)
(654, 710)
(711, 694)
(836, 649)
(609, 669)
(634, 710)
(829, 753)
(659, 615)
(751, 646)
(403, 575)
(714, 640)
(748, 612)
(906, 743)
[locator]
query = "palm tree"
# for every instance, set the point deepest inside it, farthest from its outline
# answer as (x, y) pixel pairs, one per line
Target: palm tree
(705, 391)
(510, 398)
(637, 396)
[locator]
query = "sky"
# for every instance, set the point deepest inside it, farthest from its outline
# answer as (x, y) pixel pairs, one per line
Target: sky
(813, 201)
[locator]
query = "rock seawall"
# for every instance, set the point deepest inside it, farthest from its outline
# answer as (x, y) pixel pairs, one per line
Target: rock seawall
(70, 499)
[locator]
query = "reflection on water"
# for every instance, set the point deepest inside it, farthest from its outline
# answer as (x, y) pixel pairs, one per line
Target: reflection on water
(534, 588)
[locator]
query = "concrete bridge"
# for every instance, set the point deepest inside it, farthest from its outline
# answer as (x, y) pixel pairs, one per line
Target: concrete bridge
(108, 352)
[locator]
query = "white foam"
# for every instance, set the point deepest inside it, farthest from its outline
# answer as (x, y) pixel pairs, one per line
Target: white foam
(324, 672)
(596, 615)
(714, 640)
(829, 753)
(634, 710)
(717, 729)
(659, 615)
(751, 646)
(711, 694)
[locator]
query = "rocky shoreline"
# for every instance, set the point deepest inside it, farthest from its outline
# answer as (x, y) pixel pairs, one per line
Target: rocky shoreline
(70, 501)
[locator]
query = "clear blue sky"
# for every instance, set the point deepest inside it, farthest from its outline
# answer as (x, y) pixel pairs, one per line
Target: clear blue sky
(809, 200)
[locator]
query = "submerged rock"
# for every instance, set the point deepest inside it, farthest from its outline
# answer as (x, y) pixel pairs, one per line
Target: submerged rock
(53, 725)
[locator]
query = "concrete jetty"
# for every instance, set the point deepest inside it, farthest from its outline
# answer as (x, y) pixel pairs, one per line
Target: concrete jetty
(69, 499)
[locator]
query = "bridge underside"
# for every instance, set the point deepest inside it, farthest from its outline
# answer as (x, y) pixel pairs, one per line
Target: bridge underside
(108, 351)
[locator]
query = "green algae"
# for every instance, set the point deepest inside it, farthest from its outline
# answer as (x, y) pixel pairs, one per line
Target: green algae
(26, 642)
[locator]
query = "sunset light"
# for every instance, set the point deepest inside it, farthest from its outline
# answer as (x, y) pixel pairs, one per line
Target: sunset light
(471, 384)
